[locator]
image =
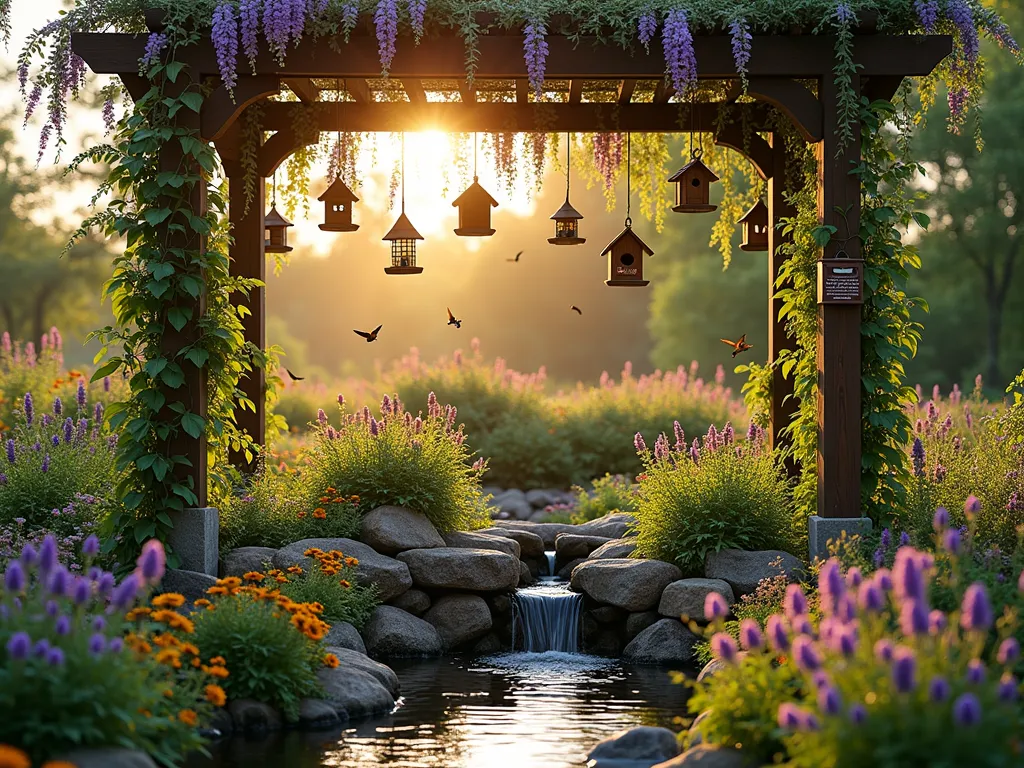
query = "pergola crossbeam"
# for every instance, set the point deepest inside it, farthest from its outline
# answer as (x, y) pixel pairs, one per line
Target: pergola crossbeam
(414, 90)
(626, 88)
(303, 88)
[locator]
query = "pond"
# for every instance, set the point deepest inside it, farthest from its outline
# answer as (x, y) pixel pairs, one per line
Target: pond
(521, 710)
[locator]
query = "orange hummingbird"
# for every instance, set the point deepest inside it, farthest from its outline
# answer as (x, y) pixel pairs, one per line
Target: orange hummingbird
(738, 346)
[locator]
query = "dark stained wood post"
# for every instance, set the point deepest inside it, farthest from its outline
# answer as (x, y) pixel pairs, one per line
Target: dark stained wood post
(839, 358)
(783, 404)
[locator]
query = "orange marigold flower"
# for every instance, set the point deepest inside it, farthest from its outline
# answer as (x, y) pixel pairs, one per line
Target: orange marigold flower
(188, 717)
(170, 656)
(281, 579)
(319, 514)
(189, 649)
(301, 515)
(312, 552)
(324, 499)
(253, 576)
(215, 695)
(12, 757)
(202, 602)
(145, 713)
(337, 500)
(220, 672)
(197, 662)
(168, 600)
(331, 489)
(353, 498)
(231, 582)
(345, 583)
(295, 569)
(218, 661)
(165, 640)
(138, 613)
(330, 660)
(351, 562)
(217, 591)
(275, 572)
(168, 694)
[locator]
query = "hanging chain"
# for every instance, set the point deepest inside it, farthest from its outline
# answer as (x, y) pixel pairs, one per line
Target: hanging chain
(629, 178)
(403, 171)
(568, 163)
(475, 177)
(337, 108)
(273, 190)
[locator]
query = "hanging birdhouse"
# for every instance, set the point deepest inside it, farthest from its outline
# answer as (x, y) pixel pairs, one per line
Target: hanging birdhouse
(626, 259)
(567, 226)
(475, 211)
(276, 228)
(693, 193)
(338, 200)
(755, 228)
(403, 237)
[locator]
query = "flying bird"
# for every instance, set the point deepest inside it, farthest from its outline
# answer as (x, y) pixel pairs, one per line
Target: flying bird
(576, 309)
(371, 336)
(738, 346)
(516, 258)
(452, 320)
(293, 377)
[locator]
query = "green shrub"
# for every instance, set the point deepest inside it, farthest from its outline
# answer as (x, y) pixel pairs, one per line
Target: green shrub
(723, 495)
(611, 493)
(331, 583)
(421, 463)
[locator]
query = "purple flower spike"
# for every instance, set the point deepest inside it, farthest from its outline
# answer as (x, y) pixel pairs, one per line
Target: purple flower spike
(918, 458)
(829, 700)
(60, 581)
(715, 606)
(739, 34)
(972, 506)
(91, 546)
(29, 556)
(97, 643)
(854, 577)
(870, 597)
(937, 622)
(116, 645)
(321, 417)
(1008, 686)
(967, 710)
(80, 396)
(908, 576)
(724, 647)
(48, 554)
(639, 444)
(976, 610)
(830, 585)
(952, 542)
(1009, 651)
(789, 716)
(941, 519)
(225, 42)
(105, 583)
(927, 14)
(904, 669)
(81, 592)
(535, 53)
(805, 654)
(14, 577)
(55, 657)
(40, 649)
(125, 592)
(63, 625)
(154, 45)
(883, 650)
(385, 19)
(938, 689)
(58, 406)
(975, 672)
(858, 714)
(647, 26)
(152, 561)
(18, 646)
(795, 602)
(750, 635)
(680, 59)
(777, 634)
(29, 411)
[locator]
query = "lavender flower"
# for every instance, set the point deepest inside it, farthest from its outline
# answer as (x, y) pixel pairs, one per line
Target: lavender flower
(918, 457)
(14, 577)
(927, 14)
(60, 581)
(795, 602)
(1009, 651)
(938, 689)
(975, 672)
(830, 585)
(883, 650)
(81, 592)
(105, 584)
(97, 643)
(386, 21)
(69, 427)
(914, 618)
(904, 669)
(789, 716)
(29, 556)
(858, 714)
(46, 464)
(62, 626)
(48, 554)
(967, 710)
(58, 406)
(976, 610)
(724, 647)
(417, 10)
(680, 436)
(951, 541)
(777, 634)
(972, 506)
(106, 384)
(886, 539)
(18, 646)
(125, 592)
(55, 657)
(661, 450)
(937, 622)
(940, 521)
(750, 635)
(321, 417)
(154, 46)
(805, 654)
(695, 450)
(739, 32)
(829, 700)
(29, 410)
(41, 648)
(152, 561)
(374, 427)
(535, 52)
(908, 576)
(639, 444)
(854, 577)
(115, 645)
(870, 597)
(680, 59)
(904, 539)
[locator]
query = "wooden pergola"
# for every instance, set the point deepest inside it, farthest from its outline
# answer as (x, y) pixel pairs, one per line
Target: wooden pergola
(600, 87)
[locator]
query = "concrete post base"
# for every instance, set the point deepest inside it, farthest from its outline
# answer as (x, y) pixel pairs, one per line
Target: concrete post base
(195, 539)
(823, 529)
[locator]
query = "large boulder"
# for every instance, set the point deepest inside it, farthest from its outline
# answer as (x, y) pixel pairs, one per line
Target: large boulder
(546, 531)
(473, 570)
(391, 530)
(513, 504)
(526, 578)
(391, 577)
(192, 585)
(530, 544)
(393, 633)
(354, 693)
(638, 622)
(565, 572)
(664, 642)
(252, 716)
(344, 635)
(243, 560)
(317, 714)
(686, 597)
(464, 540)
(381, 672)
(745, 570)
(643, 745)
(571, 546)
(414, 601)
(614, 549)
(635, 585)
(459, 618)
(614, 525)
(540, 498)
(708, 756)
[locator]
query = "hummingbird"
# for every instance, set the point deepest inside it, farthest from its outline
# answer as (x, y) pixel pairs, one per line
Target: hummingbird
(293, 377)
(452, 320)
(738, 346)
(516, 259)
(371, 336)
(576, 309)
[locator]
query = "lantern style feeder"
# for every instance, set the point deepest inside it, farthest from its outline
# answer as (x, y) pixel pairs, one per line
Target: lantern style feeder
(276, 228)
(693, 180)
(475, 207)
(567, 218)
(403, 237)
(755, 228)
(626, 252)
(338, 200)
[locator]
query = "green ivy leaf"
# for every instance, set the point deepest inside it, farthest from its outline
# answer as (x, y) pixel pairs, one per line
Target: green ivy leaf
(106, 369)
(192, 424)
(193, 100)
(179, 317)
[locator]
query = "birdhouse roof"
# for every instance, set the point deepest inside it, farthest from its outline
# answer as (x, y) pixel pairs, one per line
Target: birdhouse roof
(338, 191)
(567, 212)
(628, 232)
(695, 166)
(758, 213)
(403, 230)
(275, 219)
(473, 192)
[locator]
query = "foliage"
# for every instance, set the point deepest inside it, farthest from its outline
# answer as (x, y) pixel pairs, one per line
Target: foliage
(712, 496)
(330, 582)
(271, 644)
(69, 679)
(421, 463)
(611, 493)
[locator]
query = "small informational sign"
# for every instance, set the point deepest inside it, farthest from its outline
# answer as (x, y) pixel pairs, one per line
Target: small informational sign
(841, 281)
(631, 271)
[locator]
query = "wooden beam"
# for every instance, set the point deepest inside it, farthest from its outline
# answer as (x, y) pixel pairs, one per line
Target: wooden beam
(221, 109)
(663, 92)
(882, 87)
(522, 90)
(575, 91)
(136, 85)
(359, 89)
(750, 145)
(501, 56)
(414, 89)
(626, 88)
(303, 88)
(467, 93)
(277, 149)
(794, 100)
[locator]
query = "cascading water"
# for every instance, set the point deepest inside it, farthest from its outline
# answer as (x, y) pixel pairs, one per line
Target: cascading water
(550, 555)
(548, 616)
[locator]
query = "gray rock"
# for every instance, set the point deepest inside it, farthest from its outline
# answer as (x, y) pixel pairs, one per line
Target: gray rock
(602, 642)
(686, 597)
(353, 693)
(391, 530)
(474, 570)
(192, 585)
(108, 757)
(492, 490)
(540, 498)
(393, 633)
(540, 516)
(614, 525)
(638, 622)
(665, 642)
(459, 619)
(240, 561)
(708, 756)
(745, 570)
(476, 540)
(635, 585)
(694, 736)
(414, 601)
(546, 531)
(530, 544)
(317, 713)
(489, 643)
(500, 604)
(570, 546)
(381, 672)
(614, 549)
(253, 716)
(525, 576)
(644, 744)
(344, 635)
(608, 614)
(390, 576)
(513, 503)
(565, 572)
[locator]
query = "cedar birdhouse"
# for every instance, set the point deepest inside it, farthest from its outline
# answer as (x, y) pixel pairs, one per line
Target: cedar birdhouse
(693, 193)
(337, 202)
(276, 227)
(626, 259)
(475, 211)
(403, 237)
(755, 228)
(567, 226)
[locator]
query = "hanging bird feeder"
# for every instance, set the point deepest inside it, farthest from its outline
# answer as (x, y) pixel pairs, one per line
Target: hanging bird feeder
(338, 200)
(567, 218)
(475, 207)
(403, 237)
(276, 232)
(626, 252)
(693, 192)
(755, 228)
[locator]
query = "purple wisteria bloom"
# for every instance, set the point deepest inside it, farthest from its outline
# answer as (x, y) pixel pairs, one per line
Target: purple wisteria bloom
(962, 16)
(739, 33)
(976, 610)
(385, 20)
(349, 16)
(967, 710)
(680, 59)
(844, 15)
(277, 27)
(249, 25)
(647, 26)
(155, 44)
(225, 43)
(417, 11)
(535, 53)
(927, 14)
(109, 118)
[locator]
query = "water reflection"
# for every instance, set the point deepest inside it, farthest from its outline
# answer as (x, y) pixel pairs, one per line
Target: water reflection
(519, 709)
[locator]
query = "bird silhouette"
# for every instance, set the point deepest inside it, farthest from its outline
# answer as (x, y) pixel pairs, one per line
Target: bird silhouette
(576, 309)
(371, 336)
(293, 377)
(739, 345)
(516, 258)
(452, 320)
